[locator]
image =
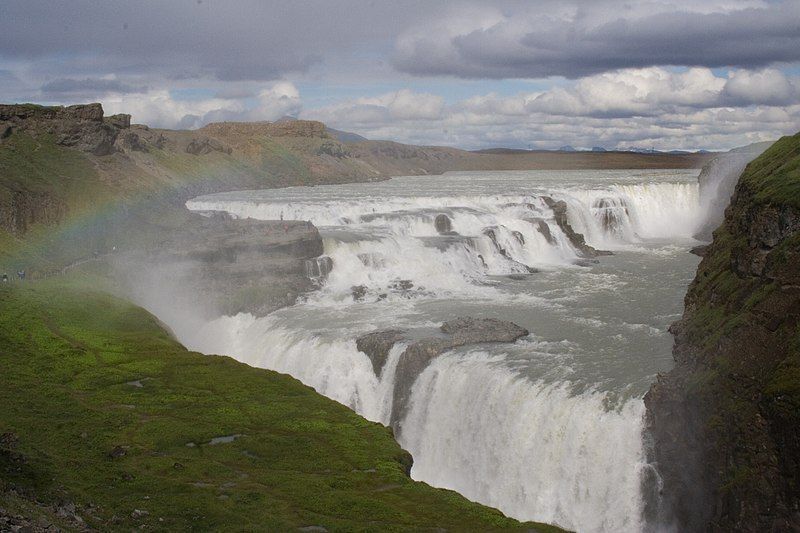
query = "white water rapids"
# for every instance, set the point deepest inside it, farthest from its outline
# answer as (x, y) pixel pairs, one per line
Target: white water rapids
(548, 428)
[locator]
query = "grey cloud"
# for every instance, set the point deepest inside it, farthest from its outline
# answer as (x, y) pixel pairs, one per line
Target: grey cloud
(67, 86)
(186, 39)
(532, 45)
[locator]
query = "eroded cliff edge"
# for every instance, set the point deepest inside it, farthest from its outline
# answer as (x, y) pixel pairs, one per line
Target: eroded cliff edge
(724, 422)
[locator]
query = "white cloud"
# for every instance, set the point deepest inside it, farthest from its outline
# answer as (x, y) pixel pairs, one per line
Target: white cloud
(574, 39)
(667, 109)
(398, 106)
(161, 109)
(767, 86)
(277, 101)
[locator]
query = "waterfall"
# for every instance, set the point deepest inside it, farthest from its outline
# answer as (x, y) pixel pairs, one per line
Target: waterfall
(547, 429)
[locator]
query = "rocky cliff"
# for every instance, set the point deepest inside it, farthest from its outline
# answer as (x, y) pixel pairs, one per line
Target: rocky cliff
(79, 126)
(724, 420)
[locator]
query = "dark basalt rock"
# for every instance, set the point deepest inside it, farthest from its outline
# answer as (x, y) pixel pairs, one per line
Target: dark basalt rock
(25, 208)
(358, 292)
(401, 285)
(492, 234)
(542, 227)
(121, 121)
(559, 209)
(468, 330)
(443, 225)
(699, 250)
(421, 351)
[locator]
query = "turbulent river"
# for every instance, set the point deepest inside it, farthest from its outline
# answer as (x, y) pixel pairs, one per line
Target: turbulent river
(548, 428)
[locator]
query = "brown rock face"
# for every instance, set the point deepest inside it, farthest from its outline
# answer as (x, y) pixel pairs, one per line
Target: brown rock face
(724, 422)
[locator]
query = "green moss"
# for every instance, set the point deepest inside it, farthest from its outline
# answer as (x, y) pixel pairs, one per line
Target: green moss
(737, 477)
(72, 359)
(775, 175)
(40, 165)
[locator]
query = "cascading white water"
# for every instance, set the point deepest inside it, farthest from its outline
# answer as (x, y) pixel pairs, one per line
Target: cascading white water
(542, 447)
(548, 428)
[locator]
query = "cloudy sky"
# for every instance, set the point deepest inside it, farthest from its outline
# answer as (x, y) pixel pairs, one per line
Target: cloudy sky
(669, 74)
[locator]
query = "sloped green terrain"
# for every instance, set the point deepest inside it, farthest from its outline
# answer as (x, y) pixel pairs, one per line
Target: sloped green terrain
(105, 417)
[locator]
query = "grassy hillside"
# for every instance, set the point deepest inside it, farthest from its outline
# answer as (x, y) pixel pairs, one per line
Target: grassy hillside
(104, 410)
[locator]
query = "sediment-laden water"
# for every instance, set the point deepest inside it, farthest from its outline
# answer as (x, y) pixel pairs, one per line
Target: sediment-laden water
(548, 428)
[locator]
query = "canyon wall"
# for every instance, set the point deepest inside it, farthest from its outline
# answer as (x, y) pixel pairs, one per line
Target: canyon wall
(724, 420)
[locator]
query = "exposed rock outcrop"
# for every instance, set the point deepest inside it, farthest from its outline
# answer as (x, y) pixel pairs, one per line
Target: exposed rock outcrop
(724, 420)
(542, 227)
(334, 149)
(131, 141)
(78, 126)
(206, 145)
(424, 346)
(443, 225)
(377, 345)
(559, 208)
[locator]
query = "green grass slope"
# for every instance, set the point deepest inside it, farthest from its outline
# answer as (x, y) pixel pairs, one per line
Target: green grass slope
(104, 410)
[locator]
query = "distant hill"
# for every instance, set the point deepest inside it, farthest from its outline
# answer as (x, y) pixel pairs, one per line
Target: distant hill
(339, 135)
(345, 136)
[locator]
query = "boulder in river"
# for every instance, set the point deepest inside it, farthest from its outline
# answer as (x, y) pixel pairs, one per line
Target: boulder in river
(443, 225)
(559, 208)
(358, 292)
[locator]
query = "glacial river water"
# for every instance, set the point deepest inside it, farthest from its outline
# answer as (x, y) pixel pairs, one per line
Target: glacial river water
(548, 428)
